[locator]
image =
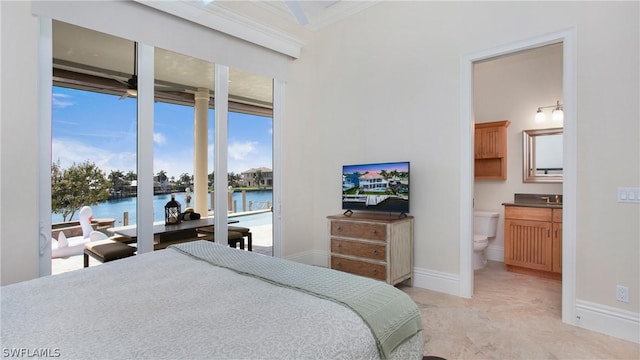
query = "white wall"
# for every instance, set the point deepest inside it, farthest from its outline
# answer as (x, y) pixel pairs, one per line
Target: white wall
(18, 143)
(385, 85)
(512, 88)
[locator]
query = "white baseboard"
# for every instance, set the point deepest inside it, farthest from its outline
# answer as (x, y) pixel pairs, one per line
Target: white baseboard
(437, 281)
(495, 253)
(423, 278)
(608, 320)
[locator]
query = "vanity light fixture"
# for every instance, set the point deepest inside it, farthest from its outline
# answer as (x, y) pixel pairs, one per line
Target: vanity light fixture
(556, 115)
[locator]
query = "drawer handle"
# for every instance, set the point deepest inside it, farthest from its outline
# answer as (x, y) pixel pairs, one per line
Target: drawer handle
(375, 272)
(339, 228)
(339, 245)
(375, 232)
(375, 252)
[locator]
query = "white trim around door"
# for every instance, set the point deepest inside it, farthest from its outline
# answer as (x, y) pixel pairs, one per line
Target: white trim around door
(568, 39)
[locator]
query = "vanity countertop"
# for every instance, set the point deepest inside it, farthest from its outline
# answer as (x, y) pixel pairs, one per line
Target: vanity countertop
(543, 205)
(553, 201)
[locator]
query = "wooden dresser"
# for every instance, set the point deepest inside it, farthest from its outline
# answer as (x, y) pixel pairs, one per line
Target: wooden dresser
(373, 245)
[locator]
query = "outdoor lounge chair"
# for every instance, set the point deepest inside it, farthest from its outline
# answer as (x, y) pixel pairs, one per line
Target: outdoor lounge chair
(64, 247)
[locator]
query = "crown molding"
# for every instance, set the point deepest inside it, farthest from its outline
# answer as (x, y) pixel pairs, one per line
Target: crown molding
(220, 19)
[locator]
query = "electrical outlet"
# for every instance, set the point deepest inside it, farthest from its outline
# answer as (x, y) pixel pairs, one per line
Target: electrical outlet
(622, 293)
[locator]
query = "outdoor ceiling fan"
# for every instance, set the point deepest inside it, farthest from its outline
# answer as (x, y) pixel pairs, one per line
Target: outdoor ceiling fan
(98, 78)
(132, 82)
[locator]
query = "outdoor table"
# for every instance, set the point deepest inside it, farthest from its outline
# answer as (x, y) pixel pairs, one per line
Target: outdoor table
(163, 233)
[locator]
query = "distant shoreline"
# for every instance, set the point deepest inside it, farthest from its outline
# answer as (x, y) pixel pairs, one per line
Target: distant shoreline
(130, 194)
(256, 199)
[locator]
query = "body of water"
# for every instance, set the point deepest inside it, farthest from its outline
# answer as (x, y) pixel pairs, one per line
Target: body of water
(116, 208)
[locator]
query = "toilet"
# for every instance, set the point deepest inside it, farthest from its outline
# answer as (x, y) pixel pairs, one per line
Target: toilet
(485, 225)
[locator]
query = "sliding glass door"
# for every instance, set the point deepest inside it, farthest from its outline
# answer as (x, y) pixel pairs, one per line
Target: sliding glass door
(96, 122)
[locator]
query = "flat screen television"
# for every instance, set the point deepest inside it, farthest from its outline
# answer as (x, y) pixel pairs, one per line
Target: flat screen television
(376, 187)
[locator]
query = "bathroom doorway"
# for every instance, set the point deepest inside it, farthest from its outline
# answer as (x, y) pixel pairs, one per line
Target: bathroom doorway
(528, 79)
(565, 39)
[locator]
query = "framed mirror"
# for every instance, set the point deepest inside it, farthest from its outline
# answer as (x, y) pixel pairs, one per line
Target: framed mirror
(542, 155)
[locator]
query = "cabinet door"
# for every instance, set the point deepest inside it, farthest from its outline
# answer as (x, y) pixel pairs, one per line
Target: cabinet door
(557, 248)
(489, 143)
(477, 144)
(528, 244)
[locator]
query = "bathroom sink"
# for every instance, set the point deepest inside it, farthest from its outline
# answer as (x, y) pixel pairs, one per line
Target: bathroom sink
(538, 199)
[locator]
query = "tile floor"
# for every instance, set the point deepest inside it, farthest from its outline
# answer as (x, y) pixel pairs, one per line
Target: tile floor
(511, 316)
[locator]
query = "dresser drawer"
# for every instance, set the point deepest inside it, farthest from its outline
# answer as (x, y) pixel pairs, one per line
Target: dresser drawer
(359, 230)
(527, 213)
(358, 249)
(375, 271)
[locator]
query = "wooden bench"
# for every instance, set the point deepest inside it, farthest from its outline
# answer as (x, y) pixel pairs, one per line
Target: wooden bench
(106, 250)
(235, 238)
(246, 232)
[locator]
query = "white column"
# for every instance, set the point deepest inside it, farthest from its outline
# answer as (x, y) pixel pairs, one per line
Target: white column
(200, 146)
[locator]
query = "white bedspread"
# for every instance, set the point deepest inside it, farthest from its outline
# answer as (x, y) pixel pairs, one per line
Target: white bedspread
(166, 305)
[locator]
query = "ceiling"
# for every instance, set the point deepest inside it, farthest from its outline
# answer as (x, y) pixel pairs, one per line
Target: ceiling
(91, 60)
(309, 14)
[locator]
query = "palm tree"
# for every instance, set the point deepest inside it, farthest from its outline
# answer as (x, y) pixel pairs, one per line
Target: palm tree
(234, 179)
(257, 177)
(116, 178)
(162, 179)
(184, 180)
(131, 176)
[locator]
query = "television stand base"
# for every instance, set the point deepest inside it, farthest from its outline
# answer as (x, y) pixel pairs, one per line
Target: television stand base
(348, 213)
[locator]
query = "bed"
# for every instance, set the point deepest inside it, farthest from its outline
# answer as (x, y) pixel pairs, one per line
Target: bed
(202, 300)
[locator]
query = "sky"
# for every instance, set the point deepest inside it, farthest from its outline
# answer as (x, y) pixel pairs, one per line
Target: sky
(376, 168)
(101, 128)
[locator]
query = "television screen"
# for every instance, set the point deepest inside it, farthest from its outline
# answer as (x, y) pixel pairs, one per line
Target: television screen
(376, 187)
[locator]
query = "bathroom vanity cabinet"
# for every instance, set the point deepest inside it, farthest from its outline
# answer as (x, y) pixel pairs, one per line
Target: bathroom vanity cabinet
(533, 239)
(490, 150)
(373, 245)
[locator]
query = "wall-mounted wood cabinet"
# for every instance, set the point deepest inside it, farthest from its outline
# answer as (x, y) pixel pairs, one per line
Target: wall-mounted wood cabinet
(490, 149)
(533, 240)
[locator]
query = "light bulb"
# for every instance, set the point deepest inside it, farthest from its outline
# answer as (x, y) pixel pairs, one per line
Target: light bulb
(540, 116)
(557, 114)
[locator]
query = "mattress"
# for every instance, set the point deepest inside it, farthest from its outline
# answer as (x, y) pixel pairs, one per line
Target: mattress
(170, 304)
